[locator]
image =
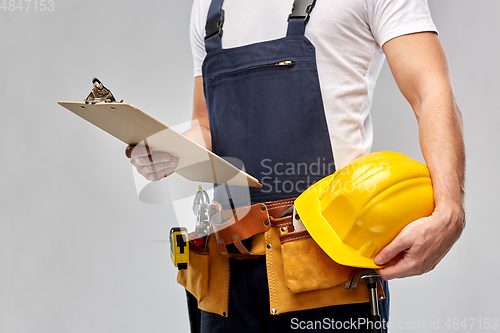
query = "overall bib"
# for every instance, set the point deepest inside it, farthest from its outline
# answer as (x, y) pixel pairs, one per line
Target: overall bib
(265, 109)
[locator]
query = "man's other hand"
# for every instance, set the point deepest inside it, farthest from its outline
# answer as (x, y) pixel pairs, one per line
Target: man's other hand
(423, 244)
(152, 165)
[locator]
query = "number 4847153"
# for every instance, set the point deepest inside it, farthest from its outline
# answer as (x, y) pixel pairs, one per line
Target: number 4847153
(27, 5)
(472, 323)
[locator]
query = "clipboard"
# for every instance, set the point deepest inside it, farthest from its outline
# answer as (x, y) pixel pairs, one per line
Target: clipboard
(135, 127)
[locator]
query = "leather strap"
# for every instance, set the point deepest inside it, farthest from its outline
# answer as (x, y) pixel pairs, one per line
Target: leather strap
(248, 222)
(290, 237)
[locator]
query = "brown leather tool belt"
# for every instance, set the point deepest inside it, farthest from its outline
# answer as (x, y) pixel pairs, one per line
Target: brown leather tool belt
(235, 233)
(300, 275)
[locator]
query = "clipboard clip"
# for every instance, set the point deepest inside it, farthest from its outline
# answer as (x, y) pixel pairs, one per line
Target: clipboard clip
(99, 93)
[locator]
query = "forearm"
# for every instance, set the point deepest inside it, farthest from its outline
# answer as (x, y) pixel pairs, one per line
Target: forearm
(421, 70)
(200, 135)
(442, 144)
(200, 124)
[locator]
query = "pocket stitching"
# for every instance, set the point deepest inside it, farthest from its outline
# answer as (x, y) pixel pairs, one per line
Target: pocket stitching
(294, 238)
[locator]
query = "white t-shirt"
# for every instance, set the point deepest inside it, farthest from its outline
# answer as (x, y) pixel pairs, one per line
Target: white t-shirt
(348, 36)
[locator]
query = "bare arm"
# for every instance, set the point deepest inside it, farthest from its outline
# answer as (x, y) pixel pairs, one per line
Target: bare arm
(157, 165)
(200, 131)
(420, 69)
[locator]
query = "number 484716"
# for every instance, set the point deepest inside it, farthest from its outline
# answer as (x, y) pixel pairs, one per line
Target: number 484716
(27, 5)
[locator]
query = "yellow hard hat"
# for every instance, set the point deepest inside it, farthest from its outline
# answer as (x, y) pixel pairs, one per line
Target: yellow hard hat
(357, 211)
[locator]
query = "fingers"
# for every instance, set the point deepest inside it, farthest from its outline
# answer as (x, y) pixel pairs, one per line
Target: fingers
(157, 171)
(398, 252)
(157, 175)
(410, 264)
(134, 152)
(403, 254)
(401, 243)
(154, 158)
(423, 243)
(400, 270)
(152, 165)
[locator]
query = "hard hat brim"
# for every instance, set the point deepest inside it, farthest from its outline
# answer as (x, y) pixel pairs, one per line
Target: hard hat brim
(308, 207)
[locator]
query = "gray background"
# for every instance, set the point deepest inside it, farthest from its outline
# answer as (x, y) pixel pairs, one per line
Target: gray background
(77, 247)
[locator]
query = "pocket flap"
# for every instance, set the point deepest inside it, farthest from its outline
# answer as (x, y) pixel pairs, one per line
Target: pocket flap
(307, 267)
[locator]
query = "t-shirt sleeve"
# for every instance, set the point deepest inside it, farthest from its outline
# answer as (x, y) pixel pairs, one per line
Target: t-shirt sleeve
(392, 18)
(197, 36)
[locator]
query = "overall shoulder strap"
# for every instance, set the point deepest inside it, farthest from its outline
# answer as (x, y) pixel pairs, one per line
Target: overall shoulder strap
(213, 28)
(299, 17)
(297, 21)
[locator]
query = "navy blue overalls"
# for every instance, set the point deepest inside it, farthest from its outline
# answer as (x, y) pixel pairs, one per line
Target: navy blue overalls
(265, 109)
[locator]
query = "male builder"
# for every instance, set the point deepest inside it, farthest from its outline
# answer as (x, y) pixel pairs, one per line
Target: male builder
(273, 89)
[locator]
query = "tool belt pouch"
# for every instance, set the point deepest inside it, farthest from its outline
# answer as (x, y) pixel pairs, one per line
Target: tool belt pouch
(195, 277)
(234, 235)
(306, 266)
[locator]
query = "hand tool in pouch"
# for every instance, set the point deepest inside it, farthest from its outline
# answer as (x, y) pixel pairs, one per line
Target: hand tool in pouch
(371, 278)
(179, 247)
(201, 208)
(179, 237)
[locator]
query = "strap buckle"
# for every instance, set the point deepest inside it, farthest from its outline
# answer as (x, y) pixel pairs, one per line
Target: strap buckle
(302, 9)
(215, 26)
